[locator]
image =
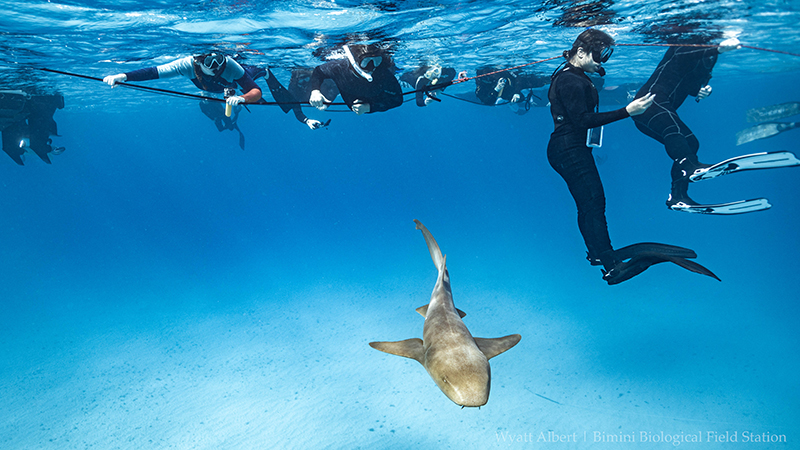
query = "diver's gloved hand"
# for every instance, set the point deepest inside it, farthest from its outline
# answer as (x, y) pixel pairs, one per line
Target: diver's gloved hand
(317, 100)
(313, 124)
(728, 45)
(704, 92)
(515, 98)
(234, 100)
(360, 108)
(112, 80)
(640, 105)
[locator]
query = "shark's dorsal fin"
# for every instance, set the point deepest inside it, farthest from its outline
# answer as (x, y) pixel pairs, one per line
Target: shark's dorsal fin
(410, 348)
(495, 346)
(423, 311)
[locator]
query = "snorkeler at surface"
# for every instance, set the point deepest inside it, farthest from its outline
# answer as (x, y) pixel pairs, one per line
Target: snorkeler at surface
(211, 72)
(506, 88)
(365, 79)
(574, 108)
(685, 71)
(424, 80)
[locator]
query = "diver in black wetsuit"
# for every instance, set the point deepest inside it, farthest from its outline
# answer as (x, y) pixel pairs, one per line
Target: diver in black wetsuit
(26, 122)
(683, 71)
(365, 79)
(573, 106)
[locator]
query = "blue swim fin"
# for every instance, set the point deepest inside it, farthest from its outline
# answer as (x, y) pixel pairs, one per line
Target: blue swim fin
(764, 160)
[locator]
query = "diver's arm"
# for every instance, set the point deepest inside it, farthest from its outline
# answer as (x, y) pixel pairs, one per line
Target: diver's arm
(573, 97)
(252, 93)
(318, 76)
(178, 67)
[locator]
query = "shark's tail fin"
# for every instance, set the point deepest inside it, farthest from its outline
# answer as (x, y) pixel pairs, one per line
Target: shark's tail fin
(433, 247)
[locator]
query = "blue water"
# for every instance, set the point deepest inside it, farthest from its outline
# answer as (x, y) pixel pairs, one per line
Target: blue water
(162, 288)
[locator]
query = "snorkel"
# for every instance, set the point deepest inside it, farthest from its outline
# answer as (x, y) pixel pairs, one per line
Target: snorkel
(355, 65)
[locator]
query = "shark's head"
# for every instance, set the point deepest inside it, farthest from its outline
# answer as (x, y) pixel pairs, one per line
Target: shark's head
(465, 379)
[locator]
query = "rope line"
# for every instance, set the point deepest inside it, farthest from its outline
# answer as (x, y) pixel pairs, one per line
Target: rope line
(425, 89)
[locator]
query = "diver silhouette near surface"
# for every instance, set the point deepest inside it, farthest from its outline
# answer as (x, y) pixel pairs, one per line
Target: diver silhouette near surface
(26, 121)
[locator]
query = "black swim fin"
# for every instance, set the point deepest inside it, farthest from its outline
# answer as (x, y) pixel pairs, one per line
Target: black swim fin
(642, 256)
(632, 250)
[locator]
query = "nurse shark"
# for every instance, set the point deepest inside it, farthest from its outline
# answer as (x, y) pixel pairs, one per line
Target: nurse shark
(457, 362)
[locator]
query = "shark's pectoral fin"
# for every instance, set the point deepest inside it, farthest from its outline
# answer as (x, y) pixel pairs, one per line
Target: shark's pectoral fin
(423, 311)
(410, 348)
(495, 346)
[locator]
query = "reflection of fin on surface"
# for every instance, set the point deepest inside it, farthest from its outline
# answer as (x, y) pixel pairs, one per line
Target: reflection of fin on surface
(773, 112)
(641, 256)
(763, 130)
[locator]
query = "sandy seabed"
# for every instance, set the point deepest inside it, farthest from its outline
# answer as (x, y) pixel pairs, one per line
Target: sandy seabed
(210, 375)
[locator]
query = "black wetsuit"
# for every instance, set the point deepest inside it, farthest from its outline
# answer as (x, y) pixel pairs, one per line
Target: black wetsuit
(25, 116)
(382, 93)
(573, 106)
(682, 72)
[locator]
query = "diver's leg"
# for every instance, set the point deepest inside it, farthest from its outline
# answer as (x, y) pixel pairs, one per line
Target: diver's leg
(577, 167)
(665, 126)
(283, 97)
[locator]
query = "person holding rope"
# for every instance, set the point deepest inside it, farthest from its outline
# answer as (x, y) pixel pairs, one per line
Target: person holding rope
(424, 79)
(212, 72)
(577, 126)
(494, 87)
(365, 79)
